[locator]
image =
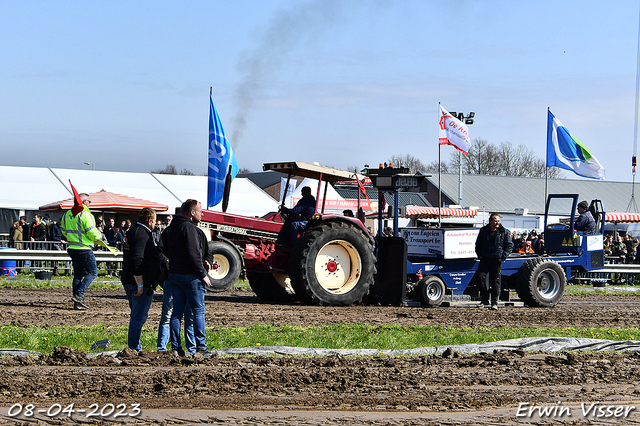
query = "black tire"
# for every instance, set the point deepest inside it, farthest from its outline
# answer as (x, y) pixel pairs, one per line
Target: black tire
(268, 288)
(541, 283)
(332, 264)
(431, 291)
(225, 266)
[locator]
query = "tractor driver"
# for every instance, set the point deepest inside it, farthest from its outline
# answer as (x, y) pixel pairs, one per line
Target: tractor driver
(296, 218)
(585, 222)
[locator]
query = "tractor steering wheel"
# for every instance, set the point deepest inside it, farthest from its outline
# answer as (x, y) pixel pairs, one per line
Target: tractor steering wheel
(284, 213)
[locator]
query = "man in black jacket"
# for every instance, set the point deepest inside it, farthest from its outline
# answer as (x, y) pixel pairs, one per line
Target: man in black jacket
(493, 246)
(181, 242)
(141, 273)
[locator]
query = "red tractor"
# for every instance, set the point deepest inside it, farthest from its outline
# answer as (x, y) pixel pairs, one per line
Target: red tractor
(332, 261)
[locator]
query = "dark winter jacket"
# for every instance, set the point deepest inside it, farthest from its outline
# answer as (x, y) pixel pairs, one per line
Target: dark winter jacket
(586, 223)
(141, 257)
(494, 244)
(182, 243)
(38, 232)
(56, 232)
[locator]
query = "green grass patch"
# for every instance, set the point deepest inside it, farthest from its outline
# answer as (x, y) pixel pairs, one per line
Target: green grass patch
(341, 336)
(29, 281)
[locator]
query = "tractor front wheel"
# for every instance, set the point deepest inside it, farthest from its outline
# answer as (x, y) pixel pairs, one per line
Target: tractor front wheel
(225, 266)
(431, 290)
(541, 283)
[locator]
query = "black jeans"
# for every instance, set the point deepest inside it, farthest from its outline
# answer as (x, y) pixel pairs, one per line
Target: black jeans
(493, 267)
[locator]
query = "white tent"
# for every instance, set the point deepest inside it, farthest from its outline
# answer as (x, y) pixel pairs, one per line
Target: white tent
(25, 189)
(248, 200)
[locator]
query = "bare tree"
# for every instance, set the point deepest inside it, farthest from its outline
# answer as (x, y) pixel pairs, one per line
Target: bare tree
(413, 163)
(170, 169)
(504, 160)
(433, 167)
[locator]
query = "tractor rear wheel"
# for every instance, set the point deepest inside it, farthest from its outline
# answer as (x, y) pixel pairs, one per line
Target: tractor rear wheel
(431, 290)
(270, 287)
(225, 266)
(332, 264)
(541, 283)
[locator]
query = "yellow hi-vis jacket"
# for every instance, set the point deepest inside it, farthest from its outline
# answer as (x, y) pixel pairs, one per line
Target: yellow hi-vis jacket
(80, 231)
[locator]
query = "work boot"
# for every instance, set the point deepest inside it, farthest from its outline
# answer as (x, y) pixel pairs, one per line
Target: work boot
(203, 353)
(79, 301)
(178, 352)
(78, 306)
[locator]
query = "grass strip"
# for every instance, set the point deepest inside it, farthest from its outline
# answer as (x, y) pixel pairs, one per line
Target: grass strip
(29, 281)
(341, 336)
(104, 281)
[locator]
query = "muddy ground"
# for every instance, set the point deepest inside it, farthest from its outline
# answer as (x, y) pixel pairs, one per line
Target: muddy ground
(441, 389)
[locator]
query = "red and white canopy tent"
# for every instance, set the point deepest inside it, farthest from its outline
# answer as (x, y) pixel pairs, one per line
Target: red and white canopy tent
(414, 212)
(109, 201)
(620, 217)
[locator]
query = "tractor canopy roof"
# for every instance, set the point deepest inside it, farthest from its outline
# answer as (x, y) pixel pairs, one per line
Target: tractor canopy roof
(312, 171)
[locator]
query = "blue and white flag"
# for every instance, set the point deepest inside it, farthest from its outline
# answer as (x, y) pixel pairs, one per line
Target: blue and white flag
(566, 152)
(220, 158)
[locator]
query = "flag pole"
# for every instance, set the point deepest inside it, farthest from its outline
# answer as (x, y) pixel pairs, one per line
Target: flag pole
(439, 190)
(546, 168)
(439, 179)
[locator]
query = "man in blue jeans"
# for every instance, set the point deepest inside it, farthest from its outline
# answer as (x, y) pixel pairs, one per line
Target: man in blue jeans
(167, 310)
(79, 229)
(182, 245)
(141, 273)
(164, 331)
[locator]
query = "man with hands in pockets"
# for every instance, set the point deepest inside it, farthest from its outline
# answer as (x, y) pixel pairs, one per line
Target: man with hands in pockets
(141, 273)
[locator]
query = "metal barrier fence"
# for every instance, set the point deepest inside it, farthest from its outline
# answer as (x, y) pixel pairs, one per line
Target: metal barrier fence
(12, 260)
(51, 255)
(614, 272)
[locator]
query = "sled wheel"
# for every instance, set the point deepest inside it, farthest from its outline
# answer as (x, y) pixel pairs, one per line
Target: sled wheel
(431, 290)
(225, 266)
(333, 264)
(541, 283)
(270, 287)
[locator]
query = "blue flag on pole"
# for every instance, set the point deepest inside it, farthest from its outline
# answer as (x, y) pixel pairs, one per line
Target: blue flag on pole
(220, 158)
(566, 152)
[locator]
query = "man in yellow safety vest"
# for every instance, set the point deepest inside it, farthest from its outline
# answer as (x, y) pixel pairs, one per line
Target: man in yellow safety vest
(81, 233)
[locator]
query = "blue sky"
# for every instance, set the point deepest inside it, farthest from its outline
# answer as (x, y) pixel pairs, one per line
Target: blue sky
(125, 85)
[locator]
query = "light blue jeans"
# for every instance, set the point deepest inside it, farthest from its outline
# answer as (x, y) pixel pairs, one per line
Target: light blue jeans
(188, 289)
(139, 312)
(165, 320)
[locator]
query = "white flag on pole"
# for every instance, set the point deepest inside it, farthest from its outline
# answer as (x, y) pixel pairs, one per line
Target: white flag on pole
(453, 132)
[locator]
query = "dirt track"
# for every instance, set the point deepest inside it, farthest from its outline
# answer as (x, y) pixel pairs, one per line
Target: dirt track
(450, 389)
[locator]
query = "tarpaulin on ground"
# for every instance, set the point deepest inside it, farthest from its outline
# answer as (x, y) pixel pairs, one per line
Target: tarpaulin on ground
(530, 344)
